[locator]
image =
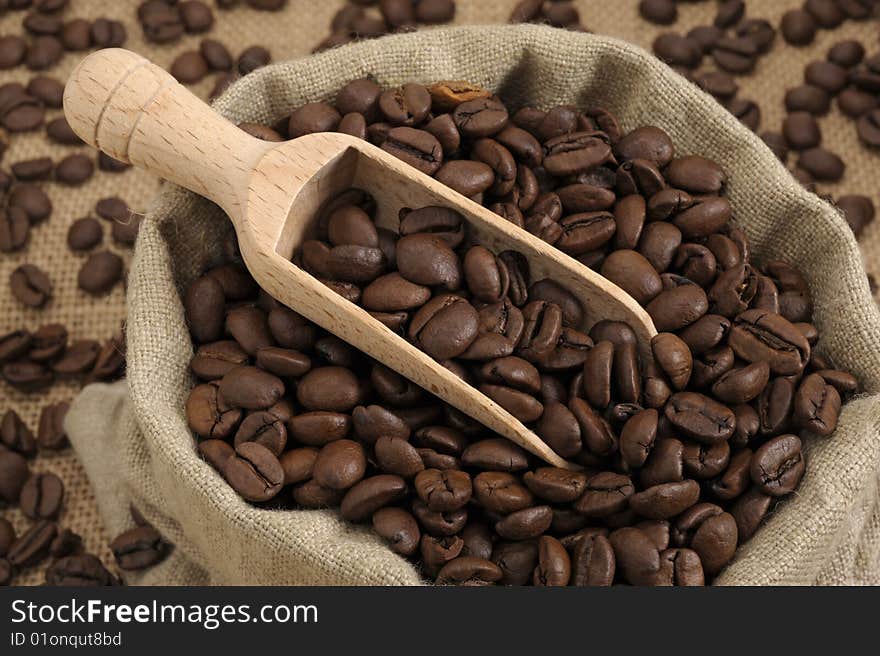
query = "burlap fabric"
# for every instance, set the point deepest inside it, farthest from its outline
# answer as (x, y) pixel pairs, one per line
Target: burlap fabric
(827, 533)
(292, 34)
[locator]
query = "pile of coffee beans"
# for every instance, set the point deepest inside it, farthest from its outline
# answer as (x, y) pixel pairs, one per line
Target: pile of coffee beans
(355, 20)
(682, 456)
(735, 44)
(33, 359)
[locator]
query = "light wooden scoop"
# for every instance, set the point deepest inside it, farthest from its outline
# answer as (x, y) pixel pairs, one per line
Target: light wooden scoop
(136, 112)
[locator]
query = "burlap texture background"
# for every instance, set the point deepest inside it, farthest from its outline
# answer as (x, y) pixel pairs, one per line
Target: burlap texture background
(826, 533)
(293, 34)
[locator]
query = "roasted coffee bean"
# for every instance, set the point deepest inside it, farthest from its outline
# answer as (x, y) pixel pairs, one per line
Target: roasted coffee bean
(665, 500)
(31, 547)
(51, 434)
(12, 51)
(371, 494)
(14, 229)
(32, 200)
(418, 148)
(33, 169)
(525, 524)
(735, 54)
(678, 50)
(443, 491)
(678, 307)
(107, 33)
(84, 234)
(139, 548)
(445, 326)
(481, 117)
(13, 475)
(399, 528)
(84, 570)
(30, 285)
(340, 465)
(501, 493)
(798, 27)
(495, 454)
(42, 496)
(333, 389)
(661, 12)
(264, 428)
(748, 511)
(189, 67)
(758, 336)
(100, 273)
(27, 376)
(822, 164)
(312, 495)
(700, 417)
(634, 274)
(74, 169)
(778, 465)
(254, 472)
(858, 211)
(556, 485)
(251, 388)
(635, 555)
(252, 58)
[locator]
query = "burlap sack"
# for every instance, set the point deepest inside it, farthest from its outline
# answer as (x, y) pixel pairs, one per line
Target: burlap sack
(135, 444)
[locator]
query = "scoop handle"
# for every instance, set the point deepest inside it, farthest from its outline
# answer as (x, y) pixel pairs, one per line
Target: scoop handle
(136, 112)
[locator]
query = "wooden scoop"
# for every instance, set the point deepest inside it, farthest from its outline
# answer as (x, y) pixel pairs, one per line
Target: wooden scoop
(135, 112)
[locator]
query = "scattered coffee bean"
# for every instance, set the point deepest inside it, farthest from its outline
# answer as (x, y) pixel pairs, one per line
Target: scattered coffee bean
(100, 272)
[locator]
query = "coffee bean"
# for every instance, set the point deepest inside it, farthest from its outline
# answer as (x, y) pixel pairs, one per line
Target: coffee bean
(808, 98)
(252, 58)
(826, 13)
(371, 494)
(76, 35)
(798, 27)
(189, 67)
(196, 16)
(677, 50)
(636, 556)
(33, 169)
(730, 12)
(254, 472)
(759, 31)
(868, 127)
(100, 273)
(778, 465)
(139, 548)
(32, 546)
(27, 376)
(107, 33)
(418, 148)
(735, 54)
(846, 54)
(801, 131)
(30, 285)
(12, 51)
(760, 336)
(332, 389)
(661, 12)
(43, 52)
(51, 434)
(251, 388)
(858, 211)
(74, 169)
(42, 496)
(14, 229)
(398, 528)
(83, 570)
